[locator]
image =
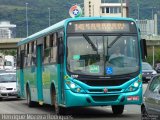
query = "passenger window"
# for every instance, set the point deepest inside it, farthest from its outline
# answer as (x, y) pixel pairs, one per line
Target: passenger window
(47, 50)
(155, 84)
(54, 48)
(33, 59)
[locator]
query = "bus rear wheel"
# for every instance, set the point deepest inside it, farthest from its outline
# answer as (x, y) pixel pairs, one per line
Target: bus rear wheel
(117, 109)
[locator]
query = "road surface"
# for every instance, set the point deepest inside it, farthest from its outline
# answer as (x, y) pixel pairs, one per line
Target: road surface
(19, 106)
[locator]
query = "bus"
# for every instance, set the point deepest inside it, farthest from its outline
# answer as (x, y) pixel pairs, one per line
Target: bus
(68, 64)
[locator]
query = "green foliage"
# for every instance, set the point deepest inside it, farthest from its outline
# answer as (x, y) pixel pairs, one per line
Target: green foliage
(156, 55)
(9, 52)
(38, 13)
(15, 11)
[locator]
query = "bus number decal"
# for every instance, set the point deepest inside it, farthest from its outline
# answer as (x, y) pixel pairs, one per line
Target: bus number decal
(76, 57)
(94, 69)
(74, 76)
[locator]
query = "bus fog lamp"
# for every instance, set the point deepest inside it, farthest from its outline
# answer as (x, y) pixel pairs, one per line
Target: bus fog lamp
(131, 89)
(78, 89)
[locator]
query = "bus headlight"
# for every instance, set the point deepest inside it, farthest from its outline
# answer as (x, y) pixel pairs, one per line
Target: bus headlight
(134, 86)
(74, 87)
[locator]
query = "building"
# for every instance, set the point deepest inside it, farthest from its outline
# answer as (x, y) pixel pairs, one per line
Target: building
(148, 27)
(104, 8)
(6, 29)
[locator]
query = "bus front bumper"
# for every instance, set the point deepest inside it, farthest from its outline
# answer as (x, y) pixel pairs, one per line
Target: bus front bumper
(78, 99)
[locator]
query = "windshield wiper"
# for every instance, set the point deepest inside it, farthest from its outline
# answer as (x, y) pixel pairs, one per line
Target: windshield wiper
(90, 42)
(110, 45)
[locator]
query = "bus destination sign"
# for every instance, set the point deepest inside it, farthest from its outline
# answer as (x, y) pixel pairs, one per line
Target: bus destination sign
(96, 26)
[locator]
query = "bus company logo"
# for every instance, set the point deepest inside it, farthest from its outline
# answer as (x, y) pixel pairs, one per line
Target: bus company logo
(75, 11)
(105, 90)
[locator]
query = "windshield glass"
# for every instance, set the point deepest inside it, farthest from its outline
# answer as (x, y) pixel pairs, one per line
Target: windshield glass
(146, 66)
(8, 63)
(8, 78)
(102, 55)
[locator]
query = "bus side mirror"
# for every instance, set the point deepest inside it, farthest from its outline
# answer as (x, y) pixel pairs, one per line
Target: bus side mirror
(143, 48)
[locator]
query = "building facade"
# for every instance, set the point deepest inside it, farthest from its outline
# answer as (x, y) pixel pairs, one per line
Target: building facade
(148, 27)
(103, 8)
(6, 29)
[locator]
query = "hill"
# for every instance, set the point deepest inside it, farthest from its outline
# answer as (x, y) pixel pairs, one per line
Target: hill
(38, 12)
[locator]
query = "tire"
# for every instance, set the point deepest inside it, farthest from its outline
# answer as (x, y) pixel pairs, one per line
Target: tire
(117, 109)
(29, 102)
(144, 114)
(18, 97)
(58, 109)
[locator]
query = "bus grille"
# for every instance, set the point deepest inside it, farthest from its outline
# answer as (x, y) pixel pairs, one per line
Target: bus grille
(104, 82)
(105, 98)
(102, 90)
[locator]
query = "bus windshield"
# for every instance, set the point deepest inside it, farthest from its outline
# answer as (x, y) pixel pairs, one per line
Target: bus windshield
(102, 54)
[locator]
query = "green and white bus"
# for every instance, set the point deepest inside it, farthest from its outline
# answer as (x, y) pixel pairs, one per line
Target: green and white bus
(68, 64)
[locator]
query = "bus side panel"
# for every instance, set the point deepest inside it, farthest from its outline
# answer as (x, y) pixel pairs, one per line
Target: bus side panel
(49, 76)
(59, 88)
(29, 77)
(20, 86)
(39, 73)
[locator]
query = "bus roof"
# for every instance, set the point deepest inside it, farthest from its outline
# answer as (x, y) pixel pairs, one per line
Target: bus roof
(63, 23)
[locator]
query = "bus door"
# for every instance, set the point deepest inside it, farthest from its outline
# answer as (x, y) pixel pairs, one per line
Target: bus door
(22, 54)
(61, 68)
(39, 72)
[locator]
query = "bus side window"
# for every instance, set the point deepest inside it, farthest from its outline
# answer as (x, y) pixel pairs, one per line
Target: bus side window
(53, 42)
(22, 59)
(33, 53)
(18, 57)
(60, 51)
(47, 50)
(25, 56)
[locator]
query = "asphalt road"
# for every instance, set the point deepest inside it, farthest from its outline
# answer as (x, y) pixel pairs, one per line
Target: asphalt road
(9, 107)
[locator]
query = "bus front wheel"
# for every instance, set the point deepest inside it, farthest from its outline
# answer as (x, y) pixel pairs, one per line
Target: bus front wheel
(29, 102)
(58, 109)
(117, 109)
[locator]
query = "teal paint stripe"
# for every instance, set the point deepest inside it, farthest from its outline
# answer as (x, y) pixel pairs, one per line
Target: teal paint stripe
(39, 74)
(21, 83)
(59, 94)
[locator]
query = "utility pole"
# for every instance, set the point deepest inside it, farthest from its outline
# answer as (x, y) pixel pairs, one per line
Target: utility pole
(121, 8)
(27, 19)
(49, 17)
